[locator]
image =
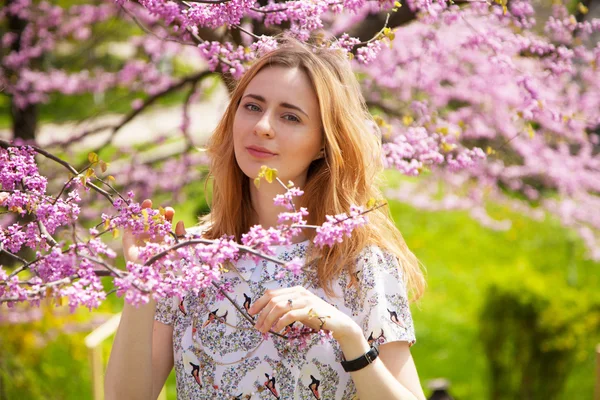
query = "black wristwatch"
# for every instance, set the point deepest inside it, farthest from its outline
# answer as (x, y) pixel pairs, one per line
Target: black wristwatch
(362, 361)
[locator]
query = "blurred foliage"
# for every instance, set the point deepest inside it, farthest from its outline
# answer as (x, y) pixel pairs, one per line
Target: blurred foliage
(534, 327)
(462, 259)
(40, 360)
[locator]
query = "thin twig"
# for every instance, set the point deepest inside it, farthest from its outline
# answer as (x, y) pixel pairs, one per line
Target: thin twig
(246, 32)
(5, 144)
(247, 317)
(45, 234)
(208, 241)
(13, 255)
(377, 35)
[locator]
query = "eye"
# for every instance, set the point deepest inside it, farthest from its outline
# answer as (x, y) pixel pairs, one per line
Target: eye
(291, 118)
(252, 107)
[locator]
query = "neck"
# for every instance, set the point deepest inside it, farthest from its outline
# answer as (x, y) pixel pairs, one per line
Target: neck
(265, 212)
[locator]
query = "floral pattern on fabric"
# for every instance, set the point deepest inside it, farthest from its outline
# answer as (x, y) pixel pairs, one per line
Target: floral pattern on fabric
(219, 355)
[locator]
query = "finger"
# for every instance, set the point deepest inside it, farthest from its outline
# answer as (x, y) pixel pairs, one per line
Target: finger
(289, 317)
(146, 203)
(259, 304)
(180, 229)
(274, 310)
(169, 213)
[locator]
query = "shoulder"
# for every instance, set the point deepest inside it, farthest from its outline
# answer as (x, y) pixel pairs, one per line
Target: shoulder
(198, 230)
(375, 265)
(374, 256)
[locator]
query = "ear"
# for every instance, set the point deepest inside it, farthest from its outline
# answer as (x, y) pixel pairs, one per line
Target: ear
(320, 155)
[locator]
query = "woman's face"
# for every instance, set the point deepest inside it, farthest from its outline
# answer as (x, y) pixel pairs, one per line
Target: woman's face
(278, 124)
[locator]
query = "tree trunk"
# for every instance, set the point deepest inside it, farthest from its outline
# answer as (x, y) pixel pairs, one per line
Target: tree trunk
(24, 121)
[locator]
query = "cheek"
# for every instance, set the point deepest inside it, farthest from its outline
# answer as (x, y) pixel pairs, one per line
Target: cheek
(304, 149)
(238, 132)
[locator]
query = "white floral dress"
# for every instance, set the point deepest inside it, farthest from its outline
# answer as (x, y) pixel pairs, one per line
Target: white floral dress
(219, 355)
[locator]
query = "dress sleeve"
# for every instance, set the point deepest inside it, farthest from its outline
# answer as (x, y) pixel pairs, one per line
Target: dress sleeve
(165, 310)
(379, 303)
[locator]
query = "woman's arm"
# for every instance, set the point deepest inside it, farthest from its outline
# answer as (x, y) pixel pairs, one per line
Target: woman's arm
(142, 353)
(392, 375)
(139, 355)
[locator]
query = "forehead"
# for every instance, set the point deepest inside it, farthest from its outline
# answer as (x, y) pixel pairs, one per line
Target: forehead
(286, 85)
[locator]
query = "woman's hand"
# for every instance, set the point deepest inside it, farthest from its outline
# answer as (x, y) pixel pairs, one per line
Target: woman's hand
(133, 243)
(279, 308)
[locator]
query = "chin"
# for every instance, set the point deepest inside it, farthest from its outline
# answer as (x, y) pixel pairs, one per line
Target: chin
(250, 168)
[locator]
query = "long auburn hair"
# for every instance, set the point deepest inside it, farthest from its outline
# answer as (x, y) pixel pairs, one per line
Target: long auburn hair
(349, 174)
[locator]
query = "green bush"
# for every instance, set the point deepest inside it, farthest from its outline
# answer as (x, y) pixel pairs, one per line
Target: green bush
(534, 327)
(45, 358)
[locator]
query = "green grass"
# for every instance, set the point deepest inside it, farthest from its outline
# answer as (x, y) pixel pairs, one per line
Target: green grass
(461, 257)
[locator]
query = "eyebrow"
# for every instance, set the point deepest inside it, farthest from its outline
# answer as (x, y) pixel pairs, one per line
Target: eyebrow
(285, 105)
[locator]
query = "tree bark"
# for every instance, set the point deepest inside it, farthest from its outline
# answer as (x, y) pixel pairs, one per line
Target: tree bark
(24, 120)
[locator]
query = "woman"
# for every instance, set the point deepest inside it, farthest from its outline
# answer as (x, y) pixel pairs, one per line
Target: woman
(298, 110)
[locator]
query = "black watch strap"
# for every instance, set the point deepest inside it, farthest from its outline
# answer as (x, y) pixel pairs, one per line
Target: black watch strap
(362, 361)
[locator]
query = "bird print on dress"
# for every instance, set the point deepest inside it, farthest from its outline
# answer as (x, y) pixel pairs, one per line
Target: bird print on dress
(214, 317)
(378, 339)
(270, 384)
(314, 387)
(196, 373)
(182, 308)
(394, 318)
(247, 303)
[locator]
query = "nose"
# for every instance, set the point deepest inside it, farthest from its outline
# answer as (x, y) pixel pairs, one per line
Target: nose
(263, 127)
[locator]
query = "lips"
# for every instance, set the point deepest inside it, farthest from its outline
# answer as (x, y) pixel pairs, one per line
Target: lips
(260, 152)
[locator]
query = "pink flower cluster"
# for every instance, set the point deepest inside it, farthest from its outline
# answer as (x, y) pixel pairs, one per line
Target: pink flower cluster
(166, 266)
(290, 224)
(338, 226)
(24, 192)
(140, 221)
(500, 111)
(300, 336)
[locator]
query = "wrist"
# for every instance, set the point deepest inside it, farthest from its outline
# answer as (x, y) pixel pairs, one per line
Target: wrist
(352, 342)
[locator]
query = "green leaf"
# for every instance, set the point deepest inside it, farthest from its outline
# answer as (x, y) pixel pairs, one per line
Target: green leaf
(448, 147)
(263, 169)
(530, 131)
(103, 166)
(93, 157)
(270, 174)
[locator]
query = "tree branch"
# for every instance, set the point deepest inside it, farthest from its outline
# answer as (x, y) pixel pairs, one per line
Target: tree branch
(6, 145)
